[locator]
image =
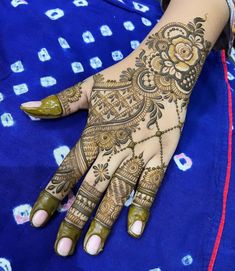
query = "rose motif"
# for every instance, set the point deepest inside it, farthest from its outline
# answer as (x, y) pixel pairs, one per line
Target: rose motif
(181, 56)
(183, 50)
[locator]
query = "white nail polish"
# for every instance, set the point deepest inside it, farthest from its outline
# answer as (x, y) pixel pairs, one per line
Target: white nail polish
(39, 218)
(136, 228)
(31, 104)
(93, 244)
(64, 246)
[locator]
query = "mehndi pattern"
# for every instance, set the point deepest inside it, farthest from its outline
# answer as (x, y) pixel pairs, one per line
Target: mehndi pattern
(129, 114)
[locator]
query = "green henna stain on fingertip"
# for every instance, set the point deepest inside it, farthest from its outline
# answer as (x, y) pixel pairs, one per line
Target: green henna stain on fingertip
(96, 228)
(47, 203)
(70, 231)
(137, 213)
(50, 108)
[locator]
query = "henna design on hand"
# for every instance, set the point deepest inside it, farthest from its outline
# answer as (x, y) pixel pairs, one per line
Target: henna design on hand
(161, 82)
(68, 96)
(73, 167)
(86, 200)
(144, 108)
(101, 173)
(148, 187)
(164, 75)
(119, 190)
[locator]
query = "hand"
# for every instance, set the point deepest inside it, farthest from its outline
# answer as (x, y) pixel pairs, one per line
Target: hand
(136, 113)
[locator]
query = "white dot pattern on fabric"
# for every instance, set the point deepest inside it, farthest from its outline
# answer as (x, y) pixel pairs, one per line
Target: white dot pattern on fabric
(88, 37)
(95, 62)
(183, 162)
(130, 199)
(60, 153)
(17, 67)
(63, 43)
(43, 55)
(187, 260)
(7, 120)
(64, 207)
(134, 44)
(105, 30)
(5, 265)
(140, 7)
(80, 3)
(129, 25)
(77, 67)
(20, 89)
(33, 118)
(232, 54)
(16, 3)
(117, 55)
(55, 14)
(146, 21)
(21, 213)
(47, 81)
(1, 97)
(155, 269)
(230, 76)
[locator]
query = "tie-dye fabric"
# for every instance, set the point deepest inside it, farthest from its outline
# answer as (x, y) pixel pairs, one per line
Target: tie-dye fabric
(47, 46)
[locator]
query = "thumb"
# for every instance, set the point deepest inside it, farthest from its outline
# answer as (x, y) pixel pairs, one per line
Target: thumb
(63, 103)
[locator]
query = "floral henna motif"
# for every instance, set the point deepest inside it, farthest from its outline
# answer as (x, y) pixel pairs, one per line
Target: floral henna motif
(148, 102)
(167, 73)
(148, 186)
(70, 95)
(101, 173)
(108, 141)
(119, 190)
(163, 77)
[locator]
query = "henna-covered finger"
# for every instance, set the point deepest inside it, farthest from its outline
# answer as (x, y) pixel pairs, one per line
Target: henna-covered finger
(118, 191)
(71, 227)
(145, 194)
(49, 107)
(69, 172)
(87, 198)
(64, 103)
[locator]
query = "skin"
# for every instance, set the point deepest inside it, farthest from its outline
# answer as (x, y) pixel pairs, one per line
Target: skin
(136, 104)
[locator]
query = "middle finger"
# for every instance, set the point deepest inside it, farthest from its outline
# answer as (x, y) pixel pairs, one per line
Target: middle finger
(88, 195)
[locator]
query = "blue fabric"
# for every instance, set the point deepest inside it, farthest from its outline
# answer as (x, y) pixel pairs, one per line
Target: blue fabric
(185, 217)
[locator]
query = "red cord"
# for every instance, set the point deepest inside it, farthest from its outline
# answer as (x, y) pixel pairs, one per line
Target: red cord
(228, 172)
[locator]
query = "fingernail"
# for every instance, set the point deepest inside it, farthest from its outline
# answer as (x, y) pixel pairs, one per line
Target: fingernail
(136, 228)
(93, 244)
(32, 104)
(64, 246)
(39, 218)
